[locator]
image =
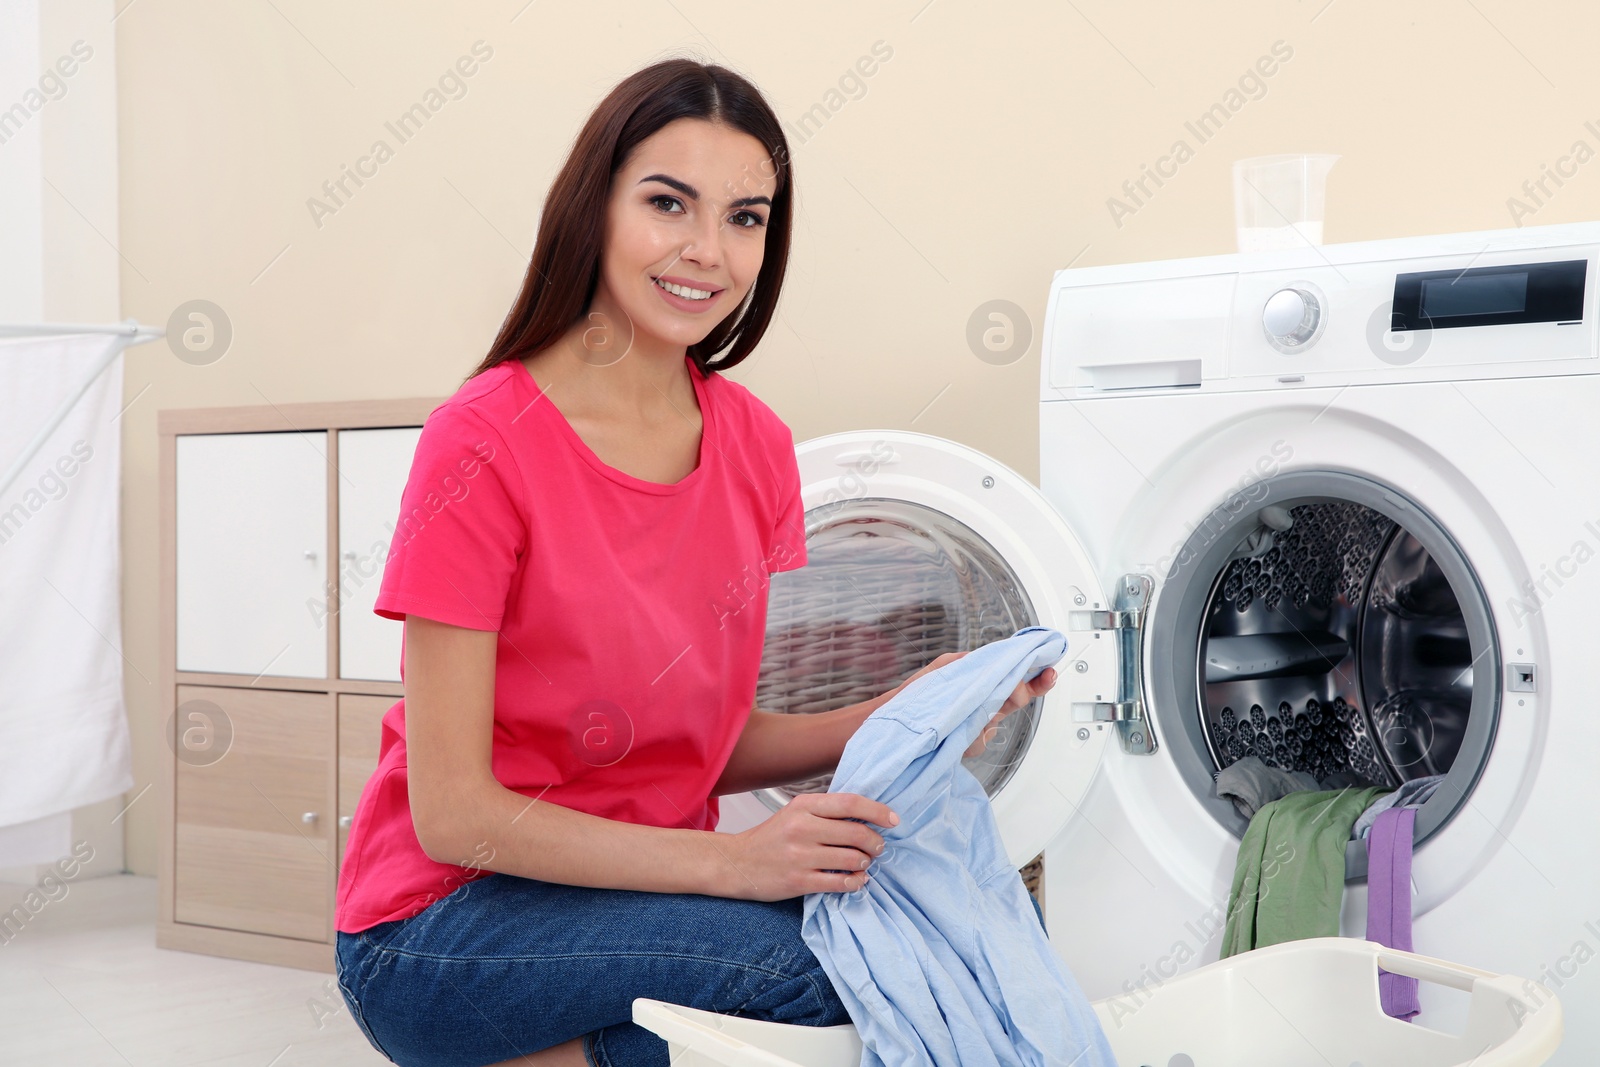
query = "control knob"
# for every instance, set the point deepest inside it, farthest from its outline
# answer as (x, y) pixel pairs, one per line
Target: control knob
(1291, 318)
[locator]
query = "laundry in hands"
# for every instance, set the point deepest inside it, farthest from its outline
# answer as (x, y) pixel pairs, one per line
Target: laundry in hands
(939, 957)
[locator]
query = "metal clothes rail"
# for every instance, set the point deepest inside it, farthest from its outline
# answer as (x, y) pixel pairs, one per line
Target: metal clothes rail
(123, 335)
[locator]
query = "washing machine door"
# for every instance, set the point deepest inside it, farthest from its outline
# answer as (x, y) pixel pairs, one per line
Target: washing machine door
(917, 546)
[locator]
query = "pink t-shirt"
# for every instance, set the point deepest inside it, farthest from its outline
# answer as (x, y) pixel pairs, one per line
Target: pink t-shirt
(631, 615)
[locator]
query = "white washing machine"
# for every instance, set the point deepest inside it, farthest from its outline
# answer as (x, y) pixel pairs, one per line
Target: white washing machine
(1337, 507)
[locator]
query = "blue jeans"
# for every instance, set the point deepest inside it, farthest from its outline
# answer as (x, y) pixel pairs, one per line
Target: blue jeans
(507, 965)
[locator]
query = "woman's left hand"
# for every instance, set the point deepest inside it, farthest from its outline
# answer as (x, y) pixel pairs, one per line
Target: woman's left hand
(1025, 691)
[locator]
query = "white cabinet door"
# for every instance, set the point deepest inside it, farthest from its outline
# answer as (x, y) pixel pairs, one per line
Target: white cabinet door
(252, 545)
(373, 468)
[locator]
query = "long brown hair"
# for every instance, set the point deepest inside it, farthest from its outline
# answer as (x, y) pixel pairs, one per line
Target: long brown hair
(565, 268)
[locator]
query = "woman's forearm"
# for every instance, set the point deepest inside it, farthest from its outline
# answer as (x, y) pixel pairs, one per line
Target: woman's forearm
(498, 829)
(777, 748)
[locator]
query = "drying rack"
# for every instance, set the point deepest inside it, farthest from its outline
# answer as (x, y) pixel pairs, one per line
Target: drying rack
(123, 335)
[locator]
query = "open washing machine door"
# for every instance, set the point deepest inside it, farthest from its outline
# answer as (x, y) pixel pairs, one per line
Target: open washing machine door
(917, 546)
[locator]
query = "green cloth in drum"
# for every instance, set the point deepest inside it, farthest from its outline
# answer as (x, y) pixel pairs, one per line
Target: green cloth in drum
(1288, 882)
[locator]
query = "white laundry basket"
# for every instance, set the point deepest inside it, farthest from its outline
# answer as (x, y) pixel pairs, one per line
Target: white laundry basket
(1311, 1002)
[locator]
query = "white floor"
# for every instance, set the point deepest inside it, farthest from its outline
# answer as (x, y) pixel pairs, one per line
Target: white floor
(83, 984)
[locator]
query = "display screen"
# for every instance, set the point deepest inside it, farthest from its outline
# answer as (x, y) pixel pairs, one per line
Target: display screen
(1490, 296)
(1484, 294)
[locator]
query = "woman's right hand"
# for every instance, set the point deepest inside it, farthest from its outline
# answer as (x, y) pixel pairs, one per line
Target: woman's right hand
(801, 848)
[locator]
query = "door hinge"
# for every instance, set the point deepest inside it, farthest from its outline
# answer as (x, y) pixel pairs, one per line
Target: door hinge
(1124, 620)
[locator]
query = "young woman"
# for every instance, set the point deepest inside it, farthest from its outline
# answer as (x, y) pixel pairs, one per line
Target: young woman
(581, 564)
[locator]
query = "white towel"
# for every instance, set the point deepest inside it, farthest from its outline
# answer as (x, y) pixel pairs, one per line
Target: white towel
(63, 727)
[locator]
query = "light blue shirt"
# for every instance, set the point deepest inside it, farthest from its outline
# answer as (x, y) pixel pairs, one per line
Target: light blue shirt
(939, 958)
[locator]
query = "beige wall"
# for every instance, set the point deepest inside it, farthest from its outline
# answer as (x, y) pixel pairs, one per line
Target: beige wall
(972, 163)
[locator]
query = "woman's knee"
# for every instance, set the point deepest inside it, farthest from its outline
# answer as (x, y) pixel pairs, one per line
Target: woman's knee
(779, 978)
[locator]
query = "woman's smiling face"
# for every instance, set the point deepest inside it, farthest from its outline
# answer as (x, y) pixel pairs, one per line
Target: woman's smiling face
(690, 206)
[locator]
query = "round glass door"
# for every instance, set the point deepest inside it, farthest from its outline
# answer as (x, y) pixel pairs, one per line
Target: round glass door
(888, 586)
(917, 546)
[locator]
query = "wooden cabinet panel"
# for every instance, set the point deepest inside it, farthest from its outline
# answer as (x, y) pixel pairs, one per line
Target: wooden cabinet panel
(373, 468)
(360, 731)
(252, 536)
(255, 830)
(278, 715)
